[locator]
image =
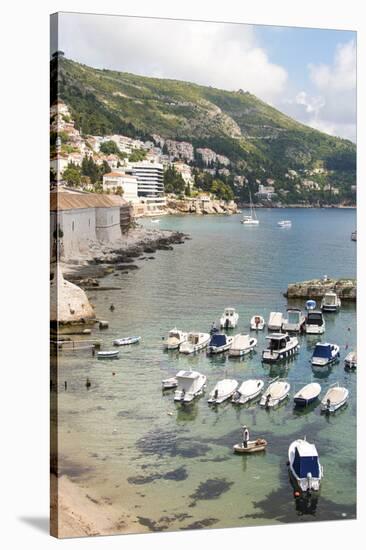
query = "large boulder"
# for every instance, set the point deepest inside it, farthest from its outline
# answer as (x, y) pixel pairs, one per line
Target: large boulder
(69, 303)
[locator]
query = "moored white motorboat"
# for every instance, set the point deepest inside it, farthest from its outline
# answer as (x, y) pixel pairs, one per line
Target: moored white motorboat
(219, 343)
(247, 391)
(175, 339)
(229, 319)
(276, 392)
(350, 361)
(295, 321)
(191, 384)
(324, 354)
(334, 398)
(196, 341)
(354, 235)
(241, 345)
(169, 383)
(275, 320)
(304, 465)
(284, 223)
(257, 322)
(126, 341)
(223, 390)
(314, 322)
(107, 354)
(330, 302)
(308, 394)
(281, 346)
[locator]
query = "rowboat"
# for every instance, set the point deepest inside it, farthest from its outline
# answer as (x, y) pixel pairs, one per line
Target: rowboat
(308, 394)
(126, 341)
(335, 398)
(254, 446)
(107, 354)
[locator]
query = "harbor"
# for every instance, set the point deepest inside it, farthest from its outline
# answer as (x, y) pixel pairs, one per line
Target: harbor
(179, 469)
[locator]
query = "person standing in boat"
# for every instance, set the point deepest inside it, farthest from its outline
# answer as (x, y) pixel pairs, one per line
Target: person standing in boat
(246, 436)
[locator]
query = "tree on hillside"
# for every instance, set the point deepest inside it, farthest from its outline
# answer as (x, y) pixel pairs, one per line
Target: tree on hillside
(137, 155)
(222, 190)
(173, 182)
(110, 148)
(72, 175)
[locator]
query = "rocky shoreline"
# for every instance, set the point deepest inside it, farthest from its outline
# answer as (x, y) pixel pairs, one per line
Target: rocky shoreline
(139, 243)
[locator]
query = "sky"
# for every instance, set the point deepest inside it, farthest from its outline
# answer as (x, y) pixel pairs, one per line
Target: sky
(309, 74)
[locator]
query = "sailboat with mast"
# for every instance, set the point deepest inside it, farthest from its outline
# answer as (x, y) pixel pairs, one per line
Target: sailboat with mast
(252, 219)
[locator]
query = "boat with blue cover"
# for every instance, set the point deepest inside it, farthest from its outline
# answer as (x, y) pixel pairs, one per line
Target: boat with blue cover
(219, 343)
(304, 465)
(325, 354)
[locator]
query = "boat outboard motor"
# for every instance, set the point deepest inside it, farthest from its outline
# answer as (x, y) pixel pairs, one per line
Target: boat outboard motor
(268, 400)
(310, 478)
(328, 405)
(183, 394)
(227, 323)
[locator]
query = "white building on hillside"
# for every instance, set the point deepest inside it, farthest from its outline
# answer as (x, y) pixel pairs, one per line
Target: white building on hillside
(150, 184)
(128, 183)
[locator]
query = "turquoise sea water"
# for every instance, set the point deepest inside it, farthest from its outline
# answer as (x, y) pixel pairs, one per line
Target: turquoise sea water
(173, 466)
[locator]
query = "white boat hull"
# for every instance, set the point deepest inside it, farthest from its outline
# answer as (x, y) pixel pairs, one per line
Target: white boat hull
(187, 397)
(241, 352)
(282, 355)
(314, 329)
(224, 394)
(334, 400)
(240, 397)
(275, 397)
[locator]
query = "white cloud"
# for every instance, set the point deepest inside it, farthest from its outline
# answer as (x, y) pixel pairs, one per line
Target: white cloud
(333, 108)
(222, 55)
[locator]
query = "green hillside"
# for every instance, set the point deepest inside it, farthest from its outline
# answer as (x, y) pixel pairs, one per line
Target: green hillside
(258, 139)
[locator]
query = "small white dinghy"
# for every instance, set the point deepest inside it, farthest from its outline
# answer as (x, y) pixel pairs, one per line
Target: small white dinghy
(242, 344)
(219, 343)
(169, 383)
(276, 392)
(247, 391)
(334, 398)
(175, 339)
(308, 394)
(284, 223)
(304, 465)
(195, 342)
(223, 390)
(229, 319)
(275, 320)
(257, 322)
(126, 341)
(107, 354)
(191, 384)
(350, 361)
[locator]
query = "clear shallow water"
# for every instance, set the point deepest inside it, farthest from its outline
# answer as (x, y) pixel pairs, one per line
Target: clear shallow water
(173, 466)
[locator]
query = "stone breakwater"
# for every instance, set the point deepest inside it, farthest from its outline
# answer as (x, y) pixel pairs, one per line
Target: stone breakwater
(316, 288)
